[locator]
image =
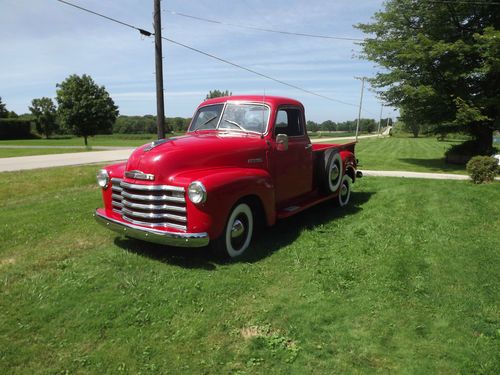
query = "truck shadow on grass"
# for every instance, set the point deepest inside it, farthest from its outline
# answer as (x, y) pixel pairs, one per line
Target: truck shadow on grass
(266, 242)
(435, 165)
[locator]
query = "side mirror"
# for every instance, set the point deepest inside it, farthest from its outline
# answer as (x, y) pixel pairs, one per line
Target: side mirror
(282, 142)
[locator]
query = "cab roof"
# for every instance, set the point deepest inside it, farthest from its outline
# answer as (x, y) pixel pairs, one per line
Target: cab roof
(272, 101)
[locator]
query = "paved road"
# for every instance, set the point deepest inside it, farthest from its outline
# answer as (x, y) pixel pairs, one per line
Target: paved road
(321, 140)
(58, 160)
(434, 176)
(65, 147)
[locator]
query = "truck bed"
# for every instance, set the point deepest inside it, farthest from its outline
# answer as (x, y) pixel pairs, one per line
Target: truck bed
(324, 146)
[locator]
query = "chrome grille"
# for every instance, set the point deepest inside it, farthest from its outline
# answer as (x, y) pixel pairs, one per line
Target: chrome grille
(151, 205)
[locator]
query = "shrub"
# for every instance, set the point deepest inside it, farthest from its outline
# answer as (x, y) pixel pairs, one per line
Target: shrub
(482, 169)
(13, 128)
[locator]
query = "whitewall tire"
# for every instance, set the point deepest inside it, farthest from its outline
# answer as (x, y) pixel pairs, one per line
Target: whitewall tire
(237, 234)
(334, 172)
(344, 191)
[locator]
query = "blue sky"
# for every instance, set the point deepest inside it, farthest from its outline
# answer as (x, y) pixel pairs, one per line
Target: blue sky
(44, 41)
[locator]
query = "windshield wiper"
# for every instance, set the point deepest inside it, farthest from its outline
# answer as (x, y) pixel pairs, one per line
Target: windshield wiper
(206, 122)
(235, 124)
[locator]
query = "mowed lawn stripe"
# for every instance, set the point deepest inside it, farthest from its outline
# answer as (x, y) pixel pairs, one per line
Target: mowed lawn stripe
(406, 154)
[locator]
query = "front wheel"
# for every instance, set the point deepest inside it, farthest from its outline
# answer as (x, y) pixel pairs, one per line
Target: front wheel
(237, 234)
(344, 195)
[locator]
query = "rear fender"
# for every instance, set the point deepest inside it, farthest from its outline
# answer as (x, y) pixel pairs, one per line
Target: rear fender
(225, 187)
(349, 164)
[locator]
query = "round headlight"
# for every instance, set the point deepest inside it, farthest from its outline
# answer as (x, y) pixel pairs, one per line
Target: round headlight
(197, 192)
(103, 178)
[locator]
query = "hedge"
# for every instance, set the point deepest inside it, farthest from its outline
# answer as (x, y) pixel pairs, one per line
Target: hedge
(12, 128)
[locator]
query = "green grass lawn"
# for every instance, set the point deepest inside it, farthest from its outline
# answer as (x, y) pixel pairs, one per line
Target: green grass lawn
(13, 152)
(406, 154)
(405, 280)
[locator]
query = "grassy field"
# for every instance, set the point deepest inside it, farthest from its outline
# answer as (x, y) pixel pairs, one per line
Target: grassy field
(406, 154)
(405, 280)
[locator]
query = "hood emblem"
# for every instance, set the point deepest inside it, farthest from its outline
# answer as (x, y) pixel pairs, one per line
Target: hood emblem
(138, 175)
(154, 144)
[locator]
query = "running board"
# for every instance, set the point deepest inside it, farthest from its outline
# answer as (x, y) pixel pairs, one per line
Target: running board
(302, 205)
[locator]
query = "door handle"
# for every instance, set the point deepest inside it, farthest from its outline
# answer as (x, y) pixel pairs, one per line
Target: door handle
(308, 146)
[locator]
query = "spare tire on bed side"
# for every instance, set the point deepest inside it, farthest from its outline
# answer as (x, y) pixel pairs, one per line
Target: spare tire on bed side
(332, 172)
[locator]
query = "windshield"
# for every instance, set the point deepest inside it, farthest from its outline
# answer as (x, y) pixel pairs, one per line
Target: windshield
(236, 116)
(247, 117)
(207, 117)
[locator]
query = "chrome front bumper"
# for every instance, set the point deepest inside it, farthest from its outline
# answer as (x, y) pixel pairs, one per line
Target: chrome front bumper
(153, 235)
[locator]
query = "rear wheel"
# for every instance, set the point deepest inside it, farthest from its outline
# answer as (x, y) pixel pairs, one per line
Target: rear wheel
(342, 199)
(237, 234)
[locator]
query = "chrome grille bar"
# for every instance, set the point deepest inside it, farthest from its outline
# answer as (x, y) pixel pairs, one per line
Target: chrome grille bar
(152, 187)
(153, 207)
(147, 215)
(149, 224)
(116, 197)
(150, 198)
(150, 205)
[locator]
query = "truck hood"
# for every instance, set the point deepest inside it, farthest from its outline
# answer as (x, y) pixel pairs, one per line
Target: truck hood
(197, 151)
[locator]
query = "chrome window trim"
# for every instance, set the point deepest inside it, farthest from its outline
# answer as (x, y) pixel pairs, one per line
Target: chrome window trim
(127, 185)
(224, 109)
(302, 117)
(205, 106)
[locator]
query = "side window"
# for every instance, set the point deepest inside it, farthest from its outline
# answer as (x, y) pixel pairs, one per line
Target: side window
(289, 122)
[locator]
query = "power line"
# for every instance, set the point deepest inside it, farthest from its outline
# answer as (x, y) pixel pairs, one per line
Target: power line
(262, 29)
(148, 33)
(99, 14)
(142, 31)
(256, 73)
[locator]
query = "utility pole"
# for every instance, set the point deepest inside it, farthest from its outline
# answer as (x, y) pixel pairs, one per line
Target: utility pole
(380, 120)
(160, 107)
(360, 104)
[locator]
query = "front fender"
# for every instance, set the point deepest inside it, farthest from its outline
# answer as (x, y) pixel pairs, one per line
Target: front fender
(225, 187)
(114, 171)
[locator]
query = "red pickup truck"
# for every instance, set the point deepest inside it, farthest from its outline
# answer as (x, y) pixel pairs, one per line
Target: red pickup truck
(244, 160)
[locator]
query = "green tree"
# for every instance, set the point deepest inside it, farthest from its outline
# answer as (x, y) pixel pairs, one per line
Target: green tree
(217, 94)
(441, 63)
(45, 114)
(85, 108)
(328, 125)
(4, 113)
(312, 126)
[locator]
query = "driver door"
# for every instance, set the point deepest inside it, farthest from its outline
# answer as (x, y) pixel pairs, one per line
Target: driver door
(293, 166)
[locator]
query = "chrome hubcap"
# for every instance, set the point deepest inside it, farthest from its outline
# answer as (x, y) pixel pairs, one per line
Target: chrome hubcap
(343, 191)
(334, 174)
(237, 229)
